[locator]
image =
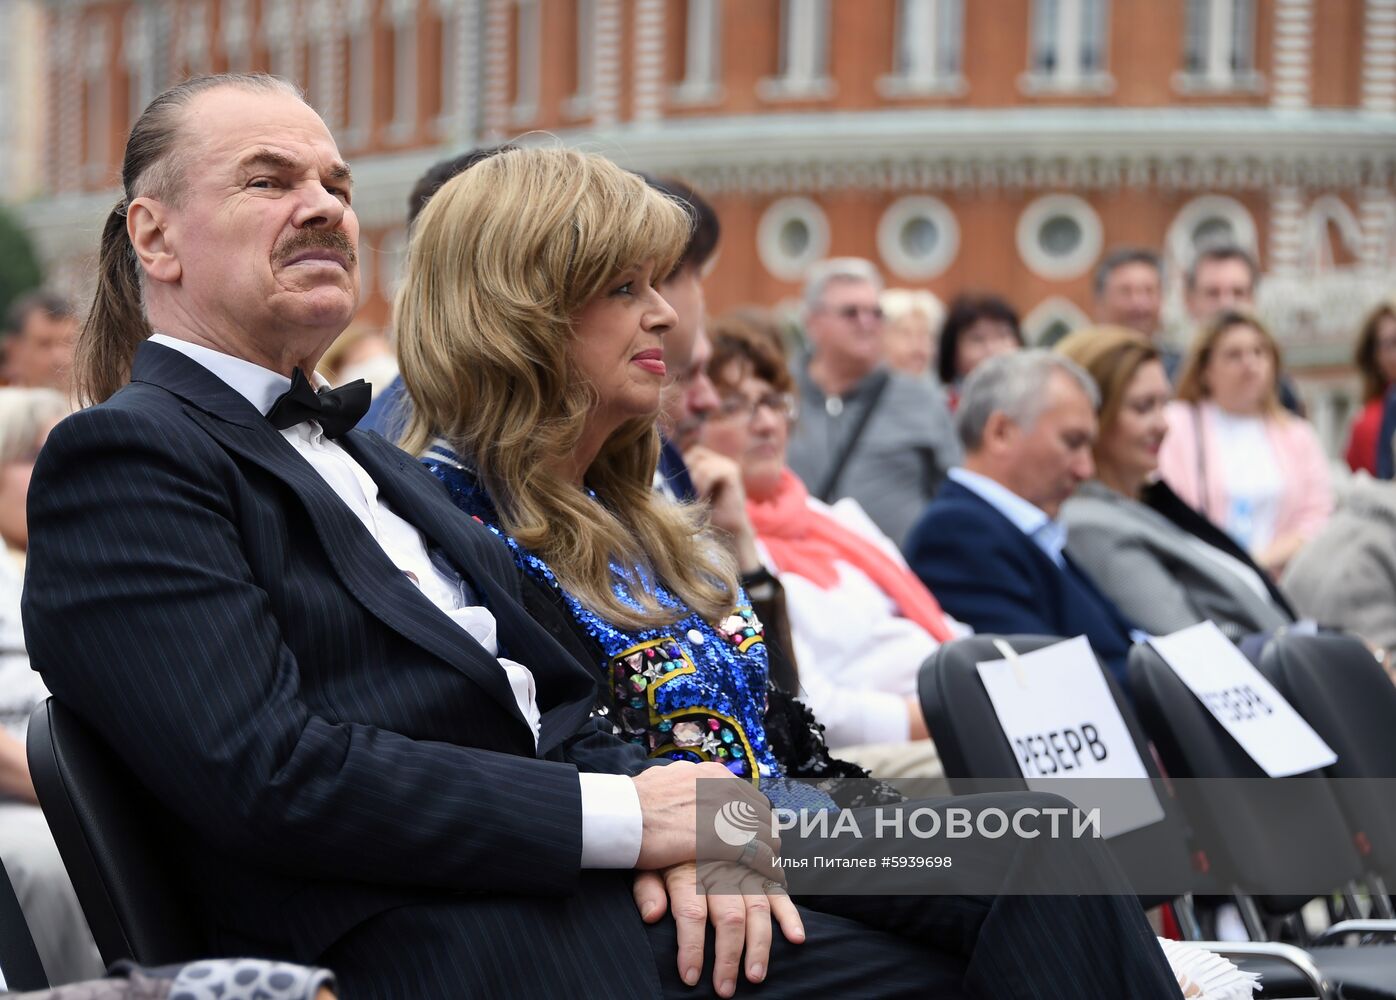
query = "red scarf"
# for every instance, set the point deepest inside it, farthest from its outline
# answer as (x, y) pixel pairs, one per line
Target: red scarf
(808, 543)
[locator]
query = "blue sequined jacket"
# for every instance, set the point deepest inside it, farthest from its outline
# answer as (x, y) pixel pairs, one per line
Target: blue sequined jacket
(693, 690)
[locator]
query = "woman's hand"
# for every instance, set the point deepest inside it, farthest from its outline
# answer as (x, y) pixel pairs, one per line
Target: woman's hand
(1276, 556)
(718, 480)
(741, 920)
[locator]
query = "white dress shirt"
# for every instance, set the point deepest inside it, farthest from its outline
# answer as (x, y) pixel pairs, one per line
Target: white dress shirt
(1047, 534)
(612, 823)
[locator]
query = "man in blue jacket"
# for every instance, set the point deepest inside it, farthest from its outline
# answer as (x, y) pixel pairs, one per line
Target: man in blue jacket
(989, 545)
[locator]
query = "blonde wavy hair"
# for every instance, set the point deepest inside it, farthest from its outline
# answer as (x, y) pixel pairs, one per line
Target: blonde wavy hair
(500, 262)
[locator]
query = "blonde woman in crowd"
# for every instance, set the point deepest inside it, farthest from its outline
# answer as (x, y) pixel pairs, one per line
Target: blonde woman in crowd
(41, 882)
(1162, 563)
(912, 319)
(1235, 454)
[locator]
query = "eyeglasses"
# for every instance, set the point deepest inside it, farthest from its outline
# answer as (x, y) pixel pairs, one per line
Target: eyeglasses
(782, 404)
(853, 313)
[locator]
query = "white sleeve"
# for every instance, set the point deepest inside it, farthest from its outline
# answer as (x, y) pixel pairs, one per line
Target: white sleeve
(612, 823)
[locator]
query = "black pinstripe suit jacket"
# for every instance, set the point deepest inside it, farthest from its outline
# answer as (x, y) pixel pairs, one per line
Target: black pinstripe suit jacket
(335, 745)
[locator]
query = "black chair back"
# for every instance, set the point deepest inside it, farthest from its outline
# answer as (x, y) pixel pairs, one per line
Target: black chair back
(1335, 684)
(20, 968)
(1257, 833)
(115, 842)
(972, 746)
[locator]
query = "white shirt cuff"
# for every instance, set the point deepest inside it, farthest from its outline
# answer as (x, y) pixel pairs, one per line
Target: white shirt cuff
(612, 824)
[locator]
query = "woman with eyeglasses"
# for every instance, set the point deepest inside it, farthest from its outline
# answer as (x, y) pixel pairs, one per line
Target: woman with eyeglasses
(862, 623)
(1161, 562)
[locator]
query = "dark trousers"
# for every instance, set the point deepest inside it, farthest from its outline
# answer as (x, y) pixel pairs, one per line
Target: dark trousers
(1007, 946)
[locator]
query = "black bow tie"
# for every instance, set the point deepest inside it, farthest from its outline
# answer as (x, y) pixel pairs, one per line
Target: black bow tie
(335, 410)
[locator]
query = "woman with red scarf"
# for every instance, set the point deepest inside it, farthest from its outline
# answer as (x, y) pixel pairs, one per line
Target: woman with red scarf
(862, 623)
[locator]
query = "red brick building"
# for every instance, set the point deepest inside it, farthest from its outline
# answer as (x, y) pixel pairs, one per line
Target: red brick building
(988, 144)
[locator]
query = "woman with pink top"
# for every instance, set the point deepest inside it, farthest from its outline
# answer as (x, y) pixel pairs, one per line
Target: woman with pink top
(1235, 454)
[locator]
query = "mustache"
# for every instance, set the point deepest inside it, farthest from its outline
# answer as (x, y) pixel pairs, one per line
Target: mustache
(317, 239)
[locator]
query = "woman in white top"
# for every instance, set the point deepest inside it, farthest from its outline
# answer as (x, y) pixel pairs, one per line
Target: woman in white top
(861, 622)
(1232, 451)
(1163, 564)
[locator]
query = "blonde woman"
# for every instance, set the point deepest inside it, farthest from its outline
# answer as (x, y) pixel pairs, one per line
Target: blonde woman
(912, 323)
(1233, 453)
(532, 343)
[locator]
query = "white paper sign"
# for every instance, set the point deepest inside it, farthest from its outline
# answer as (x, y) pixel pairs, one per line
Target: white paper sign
(1057, 713)
(1247, 705)
(2, 980)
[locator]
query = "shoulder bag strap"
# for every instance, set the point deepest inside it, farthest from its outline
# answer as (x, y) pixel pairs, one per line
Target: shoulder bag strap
(831, 478)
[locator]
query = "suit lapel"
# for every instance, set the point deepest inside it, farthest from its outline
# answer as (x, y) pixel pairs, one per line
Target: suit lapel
(359, 561)
(566, 688)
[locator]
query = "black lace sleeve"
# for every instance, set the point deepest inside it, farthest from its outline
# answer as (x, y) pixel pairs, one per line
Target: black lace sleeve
(797, 739)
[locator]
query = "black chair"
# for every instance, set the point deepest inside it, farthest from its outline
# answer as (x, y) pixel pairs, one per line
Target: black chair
(1334, 683)
(1257, 832)
(20, 968)
(972, 746)
(115, 842)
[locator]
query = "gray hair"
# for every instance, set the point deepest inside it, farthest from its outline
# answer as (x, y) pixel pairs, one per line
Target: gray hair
(1220, 250)
(23, 414)
(825, 272)
(1014, 384)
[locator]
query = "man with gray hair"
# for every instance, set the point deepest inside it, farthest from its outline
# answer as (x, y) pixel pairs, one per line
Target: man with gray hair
(883, 438)
(989, 545)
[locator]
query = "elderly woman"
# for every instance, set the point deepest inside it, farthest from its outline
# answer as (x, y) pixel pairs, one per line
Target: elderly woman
(41, 882)
(1234, 453)
(1163, 564)
(862, 623)
(912, 318)
(977, 327)
(531, 342)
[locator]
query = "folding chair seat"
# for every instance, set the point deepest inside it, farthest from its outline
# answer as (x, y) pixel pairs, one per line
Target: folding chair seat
(1256, 832)
(972, 746)
(1335, 684)
(20, 968)
(116, 842)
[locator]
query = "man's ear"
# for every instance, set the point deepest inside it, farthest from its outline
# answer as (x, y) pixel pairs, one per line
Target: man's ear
(146, 224)
(999, 432)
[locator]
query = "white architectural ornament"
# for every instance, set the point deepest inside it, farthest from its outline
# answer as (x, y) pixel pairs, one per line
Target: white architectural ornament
(96, 97)
(702, 54)
(606, 99)
(793, 233)
(1219, 54)
(1067, 48)
(496, 110)
(1292, 86)
(803, 64)
(235, 33)
(326, 76)
(140, 58)
(1328, 219)
(1379, 56)
(460, 60)
(67, 128)
(1286, 231)
(528, 44)
(1051, 319)
(281, 30)
(918, 237)
(1059, 236)
(362, 86)
(649, 60)
(1216, 218)
(929, 40)
(401, 17)
(194, 42)
(1377, 208)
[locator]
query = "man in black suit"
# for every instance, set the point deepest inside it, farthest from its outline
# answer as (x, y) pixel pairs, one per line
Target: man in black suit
(382, 762)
